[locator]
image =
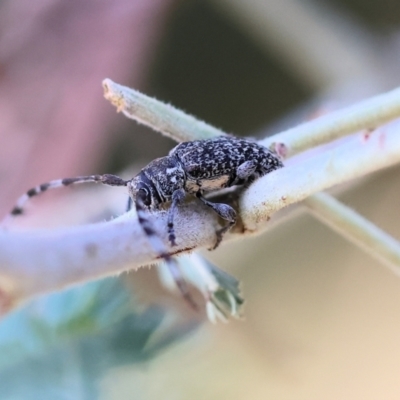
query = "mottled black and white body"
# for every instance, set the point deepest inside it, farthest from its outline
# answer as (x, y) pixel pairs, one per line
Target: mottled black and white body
(196, 168)
(201, 167)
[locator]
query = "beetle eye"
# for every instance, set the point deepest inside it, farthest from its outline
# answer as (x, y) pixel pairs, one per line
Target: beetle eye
(145, 196)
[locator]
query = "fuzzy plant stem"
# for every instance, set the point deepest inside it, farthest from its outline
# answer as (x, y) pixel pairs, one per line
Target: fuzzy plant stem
(365, 116)
(161, 117)
(356, 228)
(170, 121)
(53, 259)
(39, 261)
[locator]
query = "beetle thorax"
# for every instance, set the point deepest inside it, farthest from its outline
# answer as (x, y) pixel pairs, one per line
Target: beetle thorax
(161, 178)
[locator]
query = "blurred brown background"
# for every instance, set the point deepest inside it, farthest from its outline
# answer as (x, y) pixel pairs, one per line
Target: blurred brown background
(322, 319)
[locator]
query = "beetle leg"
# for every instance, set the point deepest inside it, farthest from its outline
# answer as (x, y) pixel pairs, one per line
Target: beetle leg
(246, 170)
(177, 198)
(225, 211)
(159, 247)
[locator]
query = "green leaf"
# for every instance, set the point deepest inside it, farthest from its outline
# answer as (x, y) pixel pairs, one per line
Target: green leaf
(60, 345)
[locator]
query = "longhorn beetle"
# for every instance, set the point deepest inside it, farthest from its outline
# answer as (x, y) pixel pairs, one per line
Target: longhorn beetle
(198, 167)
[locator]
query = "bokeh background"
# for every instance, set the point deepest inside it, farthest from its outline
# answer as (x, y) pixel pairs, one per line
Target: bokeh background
(322, 319)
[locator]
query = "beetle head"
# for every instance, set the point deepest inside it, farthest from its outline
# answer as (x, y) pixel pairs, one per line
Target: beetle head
(142, 189)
